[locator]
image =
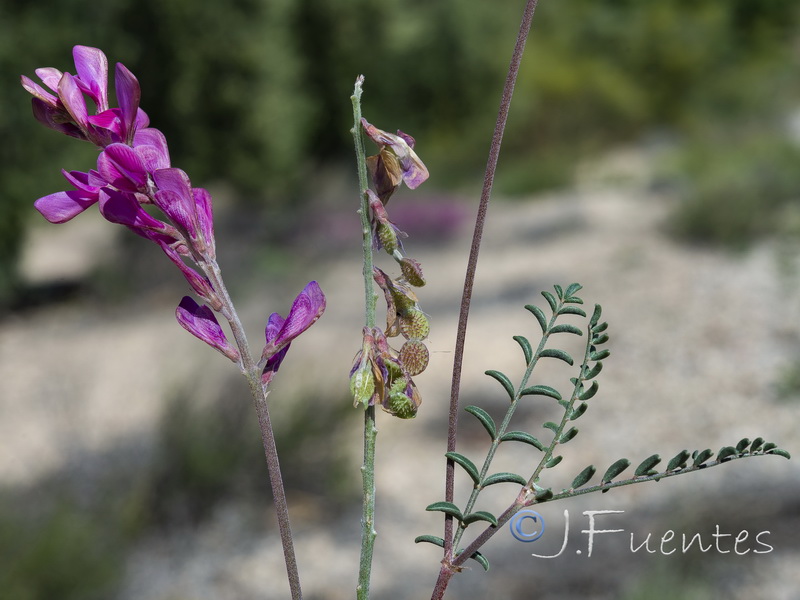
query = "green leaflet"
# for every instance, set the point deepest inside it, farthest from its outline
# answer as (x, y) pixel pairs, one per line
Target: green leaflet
(702, 457)
(485, 419)
(527, 349)
(646, 466)
(678, 461)
(572, 310)
(566, 328)
(615, 469)
(586, 394)
(503, 478)
(504, 381)
(480, 515)
(559, 354)
(447, 508)
(583, 477)
(431, 539)
(539, 314)
(524, 437)
(551, 301)
(541, 390)
(466, 464)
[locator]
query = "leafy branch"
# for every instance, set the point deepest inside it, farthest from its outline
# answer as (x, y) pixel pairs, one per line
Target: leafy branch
(584, 388)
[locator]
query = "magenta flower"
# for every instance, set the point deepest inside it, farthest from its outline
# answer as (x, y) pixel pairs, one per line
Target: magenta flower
(63, 108)
(201, 323)
(306, 309)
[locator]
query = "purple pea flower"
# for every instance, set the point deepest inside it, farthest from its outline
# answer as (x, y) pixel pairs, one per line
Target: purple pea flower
(306, 309)
(64, 108)
(201, 323)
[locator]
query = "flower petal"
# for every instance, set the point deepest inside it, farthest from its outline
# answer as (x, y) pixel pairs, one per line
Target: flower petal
(151, 145)
(63, 206)
(201, 323)
(73, 100)
(49, 76)
(205, 219)
(128, 95)
(121, 166)
(174, 198)
(92, 67)
(306, 309)
(201, 285)
(122, 208)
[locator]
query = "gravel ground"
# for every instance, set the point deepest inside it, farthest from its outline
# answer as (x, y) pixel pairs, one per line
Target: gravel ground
(699, 339)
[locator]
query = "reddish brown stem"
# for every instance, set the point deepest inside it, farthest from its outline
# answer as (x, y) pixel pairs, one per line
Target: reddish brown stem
(494, 153)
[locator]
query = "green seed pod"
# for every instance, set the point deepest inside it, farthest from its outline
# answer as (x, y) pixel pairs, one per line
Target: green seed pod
(362, 386)
(387, 237)
(414, 325)
(412, 271)
(414, 356)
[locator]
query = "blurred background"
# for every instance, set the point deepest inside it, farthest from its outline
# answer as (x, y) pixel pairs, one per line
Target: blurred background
(652, 153)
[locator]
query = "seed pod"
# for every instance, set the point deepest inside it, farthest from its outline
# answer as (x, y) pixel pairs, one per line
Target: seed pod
(414, 324)
(414, 357)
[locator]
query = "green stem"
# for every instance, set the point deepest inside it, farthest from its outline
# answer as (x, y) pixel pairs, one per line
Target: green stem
(368, 533)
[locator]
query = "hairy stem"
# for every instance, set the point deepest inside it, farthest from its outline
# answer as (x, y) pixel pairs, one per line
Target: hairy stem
(488, 181)
(252, 374)
(368, 533)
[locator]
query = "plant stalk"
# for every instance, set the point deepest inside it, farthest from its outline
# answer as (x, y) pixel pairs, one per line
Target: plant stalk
(488, 182)
(368, 533)
(251, 372)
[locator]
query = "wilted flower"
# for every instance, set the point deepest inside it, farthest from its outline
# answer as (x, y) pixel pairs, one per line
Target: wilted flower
(395, 162)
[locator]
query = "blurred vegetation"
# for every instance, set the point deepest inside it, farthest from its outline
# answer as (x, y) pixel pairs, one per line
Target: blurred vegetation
(256, 91)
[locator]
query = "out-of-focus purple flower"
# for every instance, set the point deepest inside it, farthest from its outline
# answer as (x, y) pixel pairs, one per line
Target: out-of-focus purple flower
(201, 323)
(395, 162)
(306, 309)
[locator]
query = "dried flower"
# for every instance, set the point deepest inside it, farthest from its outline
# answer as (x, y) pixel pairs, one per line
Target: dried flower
(395, 162)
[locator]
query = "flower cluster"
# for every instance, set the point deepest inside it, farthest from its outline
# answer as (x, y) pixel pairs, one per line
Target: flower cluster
(133, 171)
(381, 375)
